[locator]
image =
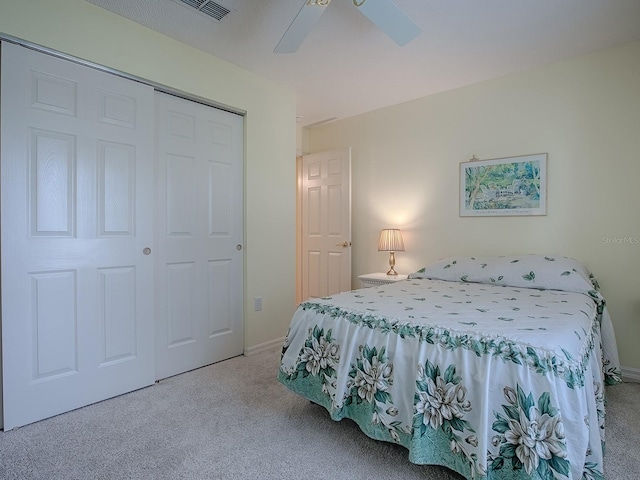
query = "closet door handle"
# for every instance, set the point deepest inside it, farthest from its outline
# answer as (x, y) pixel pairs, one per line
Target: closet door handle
(146, 250)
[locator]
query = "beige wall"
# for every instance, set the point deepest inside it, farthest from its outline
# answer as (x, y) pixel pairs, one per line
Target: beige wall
(78, 28)
(584, 112)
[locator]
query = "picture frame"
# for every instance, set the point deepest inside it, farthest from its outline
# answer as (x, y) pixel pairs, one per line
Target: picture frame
(511, 186)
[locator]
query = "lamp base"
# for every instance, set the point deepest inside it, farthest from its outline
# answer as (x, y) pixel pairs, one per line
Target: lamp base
(392, 263)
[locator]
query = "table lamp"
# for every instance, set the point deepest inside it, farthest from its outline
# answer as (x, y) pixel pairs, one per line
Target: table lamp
(391, 241)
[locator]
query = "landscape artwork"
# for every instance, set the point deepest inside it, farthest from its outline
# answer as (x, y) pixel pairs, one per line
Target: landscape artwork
(504, 186)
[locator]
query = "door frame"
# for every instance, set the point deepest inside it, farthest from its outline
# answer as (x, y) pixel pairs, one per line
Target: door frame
(298, 230)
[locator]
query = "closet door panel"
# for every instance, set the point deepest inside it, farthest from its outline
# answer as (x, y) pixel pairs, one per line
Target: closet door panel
(199, 264)
(77, 189)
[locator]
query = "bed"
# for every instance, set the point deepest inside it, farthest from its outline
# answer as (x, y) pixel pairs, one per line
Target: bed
(494, 367)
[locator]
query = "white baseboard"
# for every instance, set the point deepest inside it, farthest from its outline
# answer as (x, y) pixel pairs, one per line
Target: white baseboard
(630, 374)
(263, 347)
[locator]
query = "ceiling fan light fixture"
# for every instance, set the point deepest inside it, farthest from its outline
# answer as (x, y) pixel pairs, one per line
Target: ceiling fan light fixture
(318, 3)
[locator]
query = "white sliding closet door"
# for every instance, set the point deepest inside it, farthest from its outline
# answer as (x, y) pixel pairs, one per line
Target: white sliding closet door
(77, 203)
(199, 235)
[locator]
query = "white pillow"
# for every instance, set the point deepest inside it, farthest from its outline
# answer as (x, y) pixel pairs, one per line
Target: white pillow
(530, 271)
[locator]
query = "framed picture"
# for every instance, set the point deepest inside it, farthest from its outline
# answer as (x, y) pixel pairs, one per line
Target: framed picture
(504, 186)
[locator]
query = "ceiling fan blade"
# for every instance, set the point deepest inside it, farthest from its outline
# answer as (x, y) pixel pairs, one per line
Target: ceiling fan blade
(300, 27)
(389, 18)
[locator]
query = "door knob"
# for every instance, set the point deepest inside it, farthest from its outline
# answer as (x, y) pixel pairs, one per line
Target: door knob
(146, 250)
(344, 244)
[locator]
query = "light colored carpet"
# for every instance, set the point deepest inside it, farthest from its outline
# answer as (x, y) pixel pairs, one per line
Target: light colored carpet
(233, 420)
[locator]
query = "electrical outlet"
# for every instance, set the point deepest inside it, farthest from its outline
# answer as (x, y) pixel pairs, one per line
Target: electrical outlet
(257, 304)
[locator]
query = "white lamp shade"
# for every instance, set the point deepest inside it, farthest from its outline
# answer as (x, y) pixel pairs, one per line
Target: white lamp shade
(390, 241)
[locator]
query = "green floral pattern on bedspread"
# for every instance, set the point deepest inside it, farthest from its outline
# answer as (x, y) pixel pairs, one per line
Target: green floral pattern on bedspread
(487, 405)
(530, 436)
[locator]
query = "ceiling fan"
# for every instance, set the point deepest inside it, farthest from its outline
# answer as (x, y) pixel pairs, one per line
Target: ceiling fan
(383, 13)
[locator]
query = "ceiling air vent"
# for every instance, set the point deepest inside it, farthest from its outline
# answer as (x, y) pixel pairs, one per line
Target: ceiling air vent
(208, 7)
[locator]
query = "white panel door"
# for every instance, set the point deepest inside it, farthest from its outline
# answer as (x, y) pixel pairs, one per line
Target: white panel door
(326, 223)
(77, 192)
(199, 235)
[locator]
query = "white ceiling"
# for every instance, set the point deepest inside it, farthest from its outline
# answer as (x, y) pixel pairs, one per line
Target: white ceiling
(347, 66)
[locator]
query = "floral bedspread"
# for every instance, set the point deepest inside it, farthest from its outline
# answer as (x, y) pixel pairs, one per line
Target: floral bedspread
(493, 382)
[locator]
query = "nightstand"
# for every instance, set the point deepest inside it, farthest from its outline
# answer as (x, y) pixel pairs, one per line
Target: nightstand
(377, 279)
